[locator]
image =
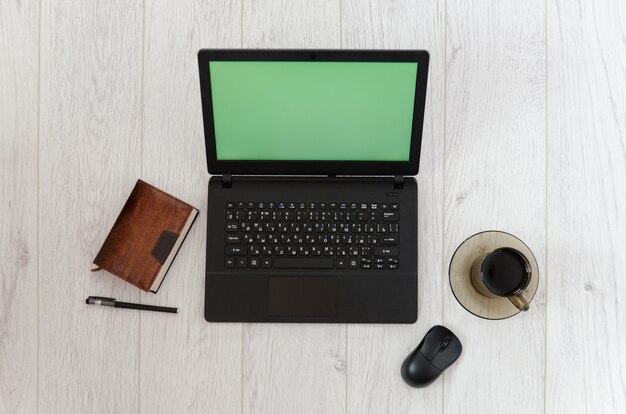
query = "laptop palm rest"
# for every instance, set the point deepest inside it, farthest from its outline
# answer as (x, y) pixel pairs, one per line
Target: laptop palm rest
(303, 296)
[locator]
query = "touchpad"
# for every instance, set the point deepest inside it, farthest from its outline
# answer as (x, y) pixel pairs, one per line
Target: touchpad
(303, 296)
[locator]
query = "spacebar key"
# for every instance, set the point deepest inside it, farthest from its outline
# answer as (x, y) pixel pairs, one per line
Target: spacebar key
(303, 263)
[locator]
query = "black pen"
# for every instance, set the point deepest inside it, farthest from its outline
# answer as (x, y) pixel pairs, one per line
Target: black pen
(99, 300)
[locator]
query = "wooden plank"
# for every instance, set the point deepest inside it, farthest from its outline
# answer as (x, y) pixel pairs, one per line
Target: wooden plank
(294, 368)
(187, 365)
(495, 176)
(375, 352)
(586, 321)
(90, 152)
(19, 77)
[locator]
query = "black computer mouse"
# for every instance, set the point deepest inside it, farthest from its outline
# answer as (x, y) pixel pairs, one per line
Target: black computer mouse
(437, 351)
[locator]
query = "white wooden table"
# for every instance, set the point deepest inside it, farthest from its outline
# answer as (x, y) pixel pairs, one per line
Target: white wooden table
(525, 131)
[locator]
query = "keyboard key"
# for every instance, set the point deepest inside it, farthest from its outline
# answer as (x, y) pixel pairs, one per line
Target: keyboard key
(389, 239)
(254, 262)
(322, 206)
(332, 206)
(353, 206)
(236, 250)
(230, 227)
(379, 266)
(291, 206)
(250, 204)
(392, 266)
(384, 206)
(394, 227)
(233, 238)
(391, 216)
(392, 260)
(230, 204)
(229, 262)
(312, 206)
(363, 206)
(353, 263)
(366, 265)
(242, 262)
(253, 215)
(266, 262)
(394, 206)
(303, 263)
(385, 251)
(240, 205)
(343, 206)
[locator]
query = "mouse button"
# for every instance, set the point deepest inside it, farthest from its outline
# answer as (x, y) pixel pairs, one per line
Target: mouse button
(418, 372)
(448, 355)
(431, 343)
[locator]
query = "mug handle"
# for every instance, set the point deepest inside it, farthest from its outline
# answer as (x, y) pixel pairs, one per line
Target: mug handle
(519, 301)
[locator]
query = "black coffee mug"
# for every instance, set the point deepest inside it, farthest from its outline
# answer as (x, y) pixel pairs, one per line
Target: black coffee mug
(503, 272)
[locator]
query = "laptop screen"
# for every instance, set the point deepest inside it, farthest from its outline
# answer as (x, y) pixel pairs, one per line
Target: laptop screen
(312, 111)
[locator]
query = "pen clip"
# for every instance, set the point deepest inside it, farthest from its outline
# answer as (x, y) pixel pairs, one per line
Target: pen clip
(100, 298)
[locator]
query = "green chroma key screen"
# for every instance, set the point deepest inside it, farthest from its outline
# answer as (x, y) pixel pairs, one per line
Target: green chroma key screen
(327, 111)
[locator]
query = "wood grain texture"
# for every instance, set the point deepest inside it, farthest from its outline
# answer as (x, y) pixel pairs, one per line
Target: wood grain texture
(187, 364)
(375, 352)
(19, 94)
(90, 153)
(294, 368)
(586, 318)
(495, 179)
(119, 100)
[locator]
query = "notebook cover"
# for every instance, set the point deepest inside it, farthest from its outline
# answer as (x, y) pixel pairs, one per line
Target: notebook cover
(143, 235)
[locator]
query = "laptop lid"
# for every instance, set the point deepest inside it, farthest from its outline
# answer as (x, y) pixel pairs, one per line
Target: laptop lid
(313, 111)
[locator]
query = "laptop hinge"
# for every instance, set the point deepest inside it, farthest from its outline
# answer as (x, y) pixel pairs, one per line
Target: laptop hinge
(398, 181)
(227, 180)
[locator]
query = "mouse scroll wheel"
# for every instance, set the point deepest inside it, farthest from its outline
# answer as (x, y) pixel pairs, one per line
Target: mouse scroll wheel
(445, 342)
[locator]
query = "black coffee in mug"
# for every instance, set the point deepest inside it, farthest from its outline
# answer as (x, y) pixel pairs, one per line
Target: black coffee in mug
(505, 272)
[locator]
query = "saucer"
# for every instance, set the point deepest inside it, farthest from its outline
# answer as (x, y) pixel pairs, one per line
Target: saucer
(461, 282)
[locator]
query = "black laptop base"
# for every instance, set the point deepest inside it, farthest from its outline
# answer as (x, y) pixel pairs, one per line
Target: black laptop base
(323, 249)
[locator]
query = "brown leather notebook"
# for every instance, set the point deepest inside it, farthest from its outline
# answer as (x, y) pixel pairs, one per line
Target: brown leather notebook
(146, 237)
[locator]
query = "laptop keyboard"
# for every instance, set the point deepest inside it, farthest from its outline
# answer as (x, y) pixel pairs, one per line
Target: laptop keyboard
(306, 235)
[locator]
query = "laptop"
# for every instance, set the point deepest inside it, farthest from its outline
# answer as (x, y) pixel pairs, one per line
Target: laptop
(312, 203)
